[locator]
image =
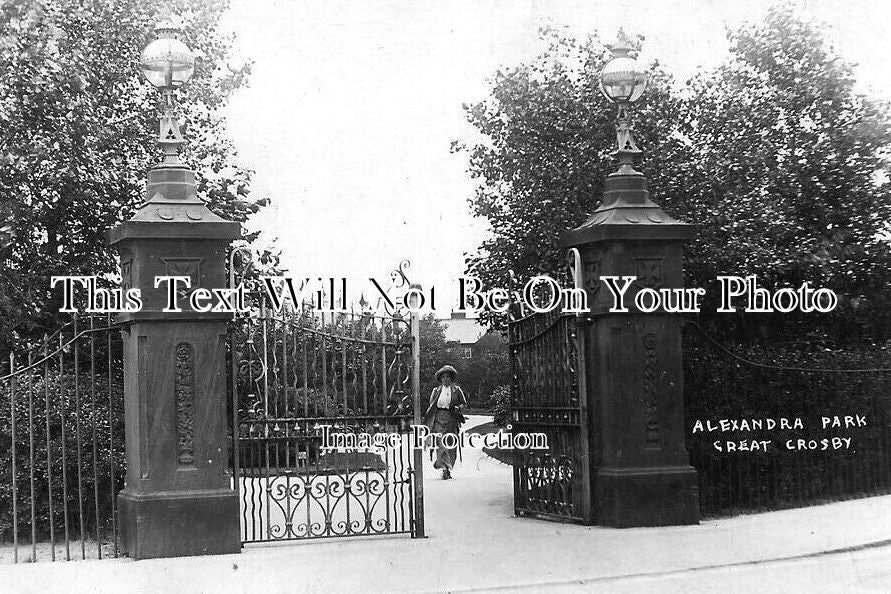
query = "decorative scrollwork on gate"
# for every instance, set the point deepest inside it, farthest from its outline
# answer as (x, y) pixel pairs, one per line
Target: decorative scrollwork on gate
(548, 484)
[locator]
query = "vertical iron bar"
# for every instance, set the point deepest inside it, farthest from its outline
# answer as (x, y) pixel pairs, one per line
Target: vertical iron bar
(247, 485)
(398, 487)
(265, 363)
(384, 392)
(279, 386)
(309, 475)
(353, 356)
(799, 494)
(296, 403)
(256, 489)
(364, 371)
(303, 341)
(343, 371)
(327, 495)
(418, 530)
(369, 426)
(285, 384)
(236, 429)
(268, 487)
(63, 409)
(388, 466)
(288, 532)
(49, 456)
(80, 461)
(347, 484)
(584, 437)
(114, 507)
(12, 415)
(324, 368)
(93, 423)
(31, 458)
(276, 376)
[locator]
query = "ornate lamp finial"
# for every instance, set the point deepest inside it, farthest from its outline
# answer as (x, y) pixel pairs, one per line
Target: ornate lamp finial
(623, 81)
(168, 64)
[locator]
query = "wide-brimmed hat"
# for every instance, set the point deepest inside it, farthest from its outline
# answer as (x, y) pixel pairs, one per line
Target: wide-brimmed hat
(446, 369)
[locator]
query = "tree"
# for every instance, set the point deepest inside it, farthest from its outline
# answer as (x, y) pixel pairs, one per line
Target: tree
(548, 136)
(789, 159)
(488, 368)
(777, 161)
(433, 355)
(78, 126)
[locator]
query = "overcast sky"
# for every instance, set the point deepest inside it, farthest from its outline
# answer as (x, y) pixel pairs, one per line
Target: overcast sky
(352, 107)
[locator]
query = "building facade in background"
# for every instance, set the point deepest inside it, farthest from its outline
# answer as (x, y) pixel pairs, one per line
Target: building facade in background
(479, 355)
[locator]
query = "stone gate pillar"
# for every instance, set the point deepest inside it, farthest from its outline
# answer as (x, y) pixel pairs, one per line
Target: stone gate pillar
(640, 469)
(177, 499)
(639, 464)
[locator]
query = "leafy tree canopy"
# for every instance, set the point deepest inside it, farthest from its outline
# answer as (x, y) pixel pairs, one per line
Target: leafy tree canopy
(433, 353)
(487, 368)
(774, 157)
(77, 133)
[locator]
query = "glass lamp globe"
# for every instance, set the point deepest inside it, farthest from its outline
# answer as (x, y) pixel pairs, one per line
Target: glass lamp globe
(167, 62)
(622, 78)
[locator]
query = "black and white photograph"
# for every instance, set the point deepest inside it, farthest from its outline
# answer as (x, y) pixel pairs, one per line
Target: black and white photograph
(445, 296)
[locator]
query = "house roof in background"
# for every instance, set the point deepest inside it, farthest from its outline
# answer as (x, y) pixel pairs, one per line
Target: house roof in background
(463, 330)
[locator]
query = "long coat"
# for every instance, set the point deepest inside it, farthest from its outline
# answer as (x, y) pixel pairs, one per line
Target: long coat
(457, 399)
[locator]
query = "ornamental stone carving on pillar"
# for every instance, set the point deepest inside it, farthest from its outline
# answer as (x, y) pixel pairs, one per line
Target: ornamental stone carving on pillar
(185, 396)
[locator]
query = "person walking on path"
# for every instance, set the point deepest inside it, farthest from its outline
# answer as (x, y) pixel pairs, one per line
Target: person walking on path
(444, 416)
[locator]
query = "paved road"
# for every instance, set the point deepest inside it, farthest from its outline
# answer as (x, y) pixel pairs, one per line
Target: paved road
(866, 570)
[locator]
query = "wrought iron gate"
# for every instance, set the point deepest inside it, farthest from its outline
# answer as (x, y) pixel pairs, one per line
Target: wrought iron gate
(298, 379)
(548, 378)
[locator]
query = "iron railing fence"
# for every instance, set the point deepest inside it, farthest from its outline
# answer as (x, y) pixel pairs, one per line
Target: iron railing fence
(780, 394)
(61, 445)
